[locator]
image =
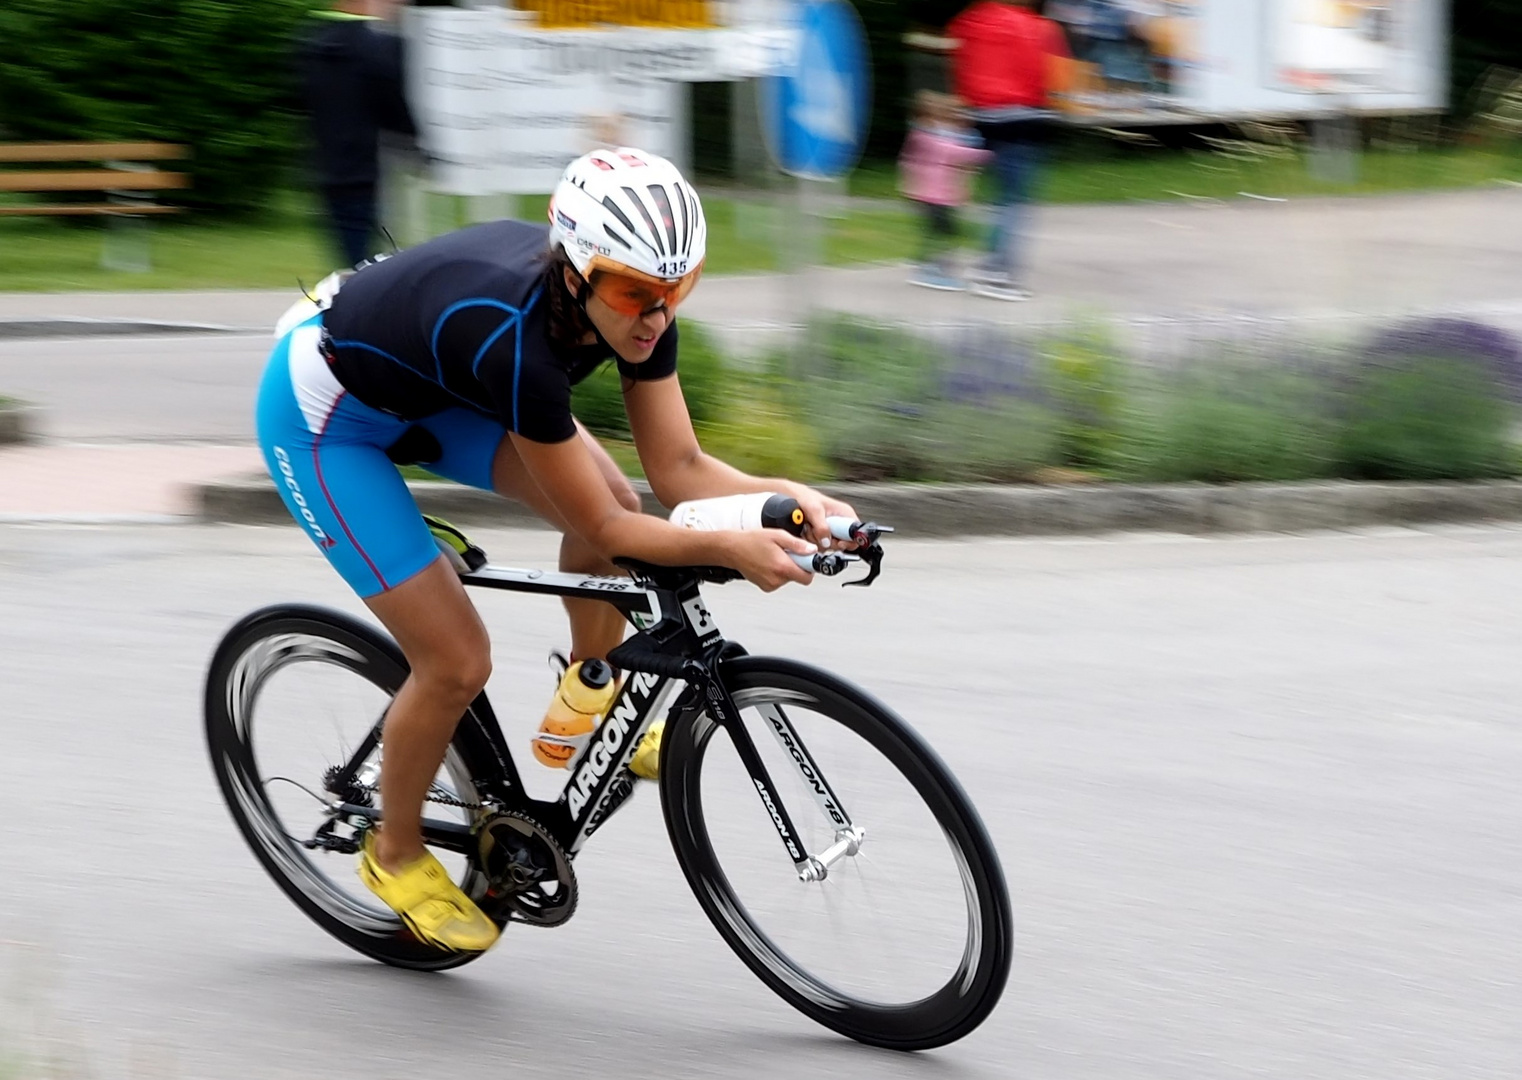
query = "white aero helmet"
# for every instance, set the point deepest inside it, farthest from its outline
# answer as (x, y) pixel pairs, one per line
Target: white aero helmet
(628, 210)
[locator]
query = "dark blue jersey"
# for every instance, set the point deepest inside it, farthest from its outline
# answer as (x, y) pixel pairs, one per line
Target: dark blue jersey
(461, 320)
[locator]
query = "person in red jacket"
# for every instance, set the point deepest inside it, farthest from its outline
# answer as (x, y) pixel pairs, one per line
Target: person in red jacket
(1005, 68)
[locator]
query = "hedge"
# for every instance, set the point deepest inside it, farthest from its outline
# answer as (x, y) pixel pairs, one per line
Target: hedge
(212, 74)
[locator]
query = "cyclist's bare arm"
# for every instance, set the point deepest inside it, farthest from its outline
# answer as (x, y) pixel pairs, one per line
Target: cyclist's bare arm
(678, 468)
(568, 474)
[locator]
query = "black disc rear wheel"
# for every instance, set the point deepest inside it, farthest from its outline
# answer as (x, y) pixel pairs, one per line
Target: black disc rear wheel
(906, 941)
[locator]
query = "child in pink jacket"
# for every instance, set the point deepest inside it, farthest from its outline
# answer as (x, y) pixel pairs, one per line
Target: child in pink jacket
(940, 154)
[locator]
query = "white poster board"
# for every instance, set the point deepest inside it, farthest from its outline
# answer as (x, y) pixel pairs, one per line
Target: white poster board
(1181, 61)
(1343, 46)
(1315, 57)
(503, 106)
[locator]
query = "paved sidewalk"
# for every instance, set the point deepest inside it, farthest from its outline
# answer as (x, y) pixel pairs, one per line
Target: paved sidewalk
(86, 483)
(250, 309)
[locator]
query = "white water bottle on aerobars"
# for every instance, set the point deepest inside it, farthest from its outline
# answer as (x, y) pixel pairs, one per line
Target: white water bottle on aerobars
(764, 510)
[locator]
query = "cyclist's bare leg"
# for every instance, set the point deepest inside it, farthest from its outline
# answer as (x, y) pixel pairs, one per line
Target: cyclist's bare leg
(445, 642)
(441, 634)
(596, 627)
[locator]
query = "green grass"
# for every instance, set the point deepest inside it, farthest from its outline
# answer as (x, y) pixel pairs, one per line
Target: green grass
(58, 255)
(747, 233)
(288, 245)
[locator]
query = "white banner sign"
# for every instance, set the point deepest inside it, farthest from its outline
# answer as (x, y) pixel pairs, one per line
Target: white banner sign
(503, 107)
(1346, 46)
(1180, 61)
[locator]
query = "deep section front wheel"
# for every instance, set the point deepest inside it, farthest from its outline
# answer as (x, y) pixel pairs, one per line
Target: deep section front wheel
(904, 940)
(294, 693)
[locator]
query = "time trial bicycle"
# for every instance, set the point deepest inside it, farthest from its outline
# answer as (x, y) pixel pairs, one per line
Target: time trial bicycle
(827, 843)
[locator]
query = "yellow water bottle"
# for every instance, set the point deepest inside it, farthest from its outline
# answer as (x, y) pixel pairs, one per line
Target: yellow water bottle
(586, 692)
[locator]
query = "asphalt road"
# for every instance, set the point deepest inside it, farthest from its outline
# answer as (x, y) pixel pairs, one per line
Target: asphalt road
(1257, 799)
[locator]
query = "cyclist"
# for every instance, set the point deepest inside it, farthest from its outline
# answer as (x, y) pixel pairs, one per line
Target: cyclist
(460, 354)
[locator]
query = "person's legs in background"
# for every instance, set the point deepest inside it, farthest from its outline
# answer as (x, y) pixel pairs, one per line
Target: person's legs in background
(943, 224)
(934, 270)
(993, 261)
(927, 233)
(352, 215)
(1015, 164)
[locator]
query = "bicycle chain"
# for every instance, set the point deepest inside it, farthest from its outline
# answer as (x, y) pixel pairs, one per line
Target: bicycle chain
(444, 798)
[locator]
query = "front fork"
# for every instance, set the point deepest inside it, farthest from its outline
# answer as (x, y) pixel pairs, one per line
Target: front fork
(848, 837)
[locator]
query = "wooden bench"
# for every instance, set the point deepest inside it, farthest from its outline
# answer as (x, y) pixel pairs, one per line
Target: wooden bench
(123, 180)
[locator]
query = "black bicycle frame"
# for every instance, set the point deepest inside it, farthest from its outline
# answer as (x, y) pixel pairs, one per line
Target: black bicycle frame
(676, 643)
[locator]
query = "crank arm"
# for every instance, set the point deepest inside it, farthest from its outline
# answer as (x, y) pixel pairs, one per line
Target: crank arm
(446, 835)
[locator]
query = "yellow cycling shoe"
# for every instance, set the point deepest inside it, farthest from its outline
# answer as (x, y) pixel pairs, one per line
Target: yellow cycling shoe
(646, 762)
(432, 906)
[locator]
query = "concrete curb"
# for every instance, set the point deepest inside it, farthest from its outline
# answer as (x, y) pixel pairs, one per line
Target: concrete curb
(1007, 510)
(15, 329)
(18, 423)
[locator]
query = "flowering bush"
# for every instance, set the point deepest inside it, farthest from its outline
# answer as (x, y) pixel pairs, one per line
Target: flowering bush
(858, 401)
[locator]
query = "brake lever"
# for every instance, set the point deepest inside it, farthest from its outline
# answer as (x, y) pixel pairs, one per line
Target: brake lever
(869, 551)
(872, 555)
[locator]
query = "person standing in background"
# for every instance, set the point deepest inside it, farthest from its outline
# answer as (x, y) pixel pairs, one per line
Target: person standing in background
(351, 77)
(1007, 64)
(939, 155)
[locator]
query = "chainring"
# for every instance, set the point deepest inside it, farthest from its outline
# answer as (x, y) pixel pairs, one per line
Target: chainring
(529, 875)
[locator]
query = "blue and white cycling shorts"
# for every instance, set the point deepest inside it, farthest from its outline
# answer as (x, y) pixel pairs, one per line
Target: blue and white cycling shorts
(327, 454)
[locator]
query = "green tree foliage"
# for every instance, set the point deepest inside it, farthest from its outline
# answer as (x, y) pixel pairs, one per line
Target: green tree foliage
(212, 74)
(886, 22)
(1485, 33)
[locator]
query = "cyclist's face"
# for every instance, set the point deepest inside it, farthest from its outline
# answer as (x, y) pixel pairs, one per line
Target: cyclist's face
(633, 336)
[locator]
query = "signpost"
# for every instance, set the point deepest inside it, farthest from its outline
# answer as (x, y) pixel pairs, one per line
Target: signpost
(815, 110)
(814, 115)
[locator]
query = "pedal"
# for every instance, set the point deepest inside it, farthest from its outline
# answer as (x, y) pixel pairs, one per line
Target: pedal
(464, 556)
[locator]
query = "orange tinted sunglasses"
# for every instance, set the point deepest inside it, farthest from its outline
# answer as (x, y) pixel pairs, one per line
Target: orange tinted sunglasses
(632, 294)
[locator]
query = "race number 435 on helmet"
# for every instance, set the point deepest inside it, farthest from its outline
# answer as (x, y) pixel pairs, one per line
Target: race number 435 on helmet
(632, 227)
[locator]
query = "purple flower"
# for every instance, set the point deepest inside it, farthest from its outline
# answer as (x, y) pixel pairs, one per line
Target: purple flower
(1452, 339)
(983, 363)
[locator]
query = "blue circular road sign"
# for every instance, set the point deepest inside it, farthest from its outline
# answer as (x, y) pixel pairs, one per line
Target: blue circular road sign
(815, 111)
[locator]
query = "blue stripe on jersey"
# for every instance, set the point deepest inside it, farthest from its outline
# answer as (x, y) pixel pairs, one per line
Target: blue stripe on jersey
(394, 360)
(518, 349)
(507, 324)
(460, 305)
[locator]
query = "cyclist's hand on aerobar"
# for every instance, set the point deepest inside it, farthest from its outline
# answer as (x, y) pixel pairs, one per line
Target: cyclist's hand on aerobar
(818, 506)
(761, 555)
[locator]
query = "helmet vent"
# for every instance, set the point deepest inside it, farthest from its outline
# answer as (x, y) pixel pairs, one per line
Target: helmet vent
(655, 232)
(681, 201)
(668, 219)
(609, 230)
(613, 208)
